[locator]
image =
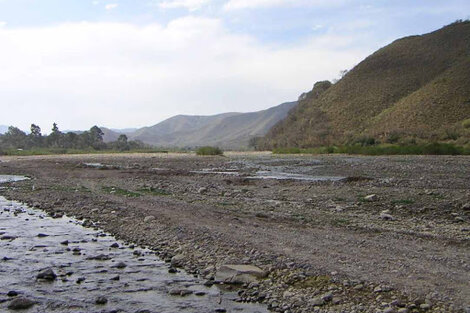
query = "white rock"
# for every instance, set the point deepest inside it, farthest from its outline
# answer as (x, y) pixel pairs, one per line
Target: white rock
(239, 274)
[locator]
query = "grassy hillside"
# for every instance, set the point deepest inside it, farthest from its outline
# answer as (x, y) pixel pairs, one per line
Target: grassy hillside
(416, 88)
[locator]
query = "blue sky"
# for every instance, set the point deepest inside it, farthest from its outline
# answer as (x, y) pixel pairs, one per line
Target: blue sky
(122, 63)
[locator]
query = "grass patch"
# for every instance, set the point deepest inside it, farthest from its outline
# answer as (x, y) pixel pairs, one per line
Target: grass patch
(209, 151)
(383, 149)
(121, 192)
(69, 189)
(54, 151)
(317, 282)
(154, 191)
(403, 201)
(339, 222)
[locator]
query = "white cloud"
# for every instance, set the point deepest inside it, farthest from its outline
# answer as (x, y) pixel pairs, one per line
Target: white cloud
(111, 6)
(191, 5)
(3, 24)
(122, 75)
(253, 4)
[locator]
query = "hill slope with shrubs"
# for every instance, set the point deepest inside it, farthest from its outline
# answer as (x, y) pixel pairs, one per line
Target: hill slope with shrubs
(417, 89)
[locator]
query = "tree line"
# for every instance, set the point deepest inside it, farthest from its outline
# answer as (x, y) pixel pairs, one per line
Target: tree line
(92, 139)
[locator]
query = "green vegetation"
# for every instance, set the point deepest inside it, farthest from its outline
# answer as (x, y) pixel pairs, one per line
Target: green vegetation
(403, 201)
(154, 191)
(383, 149)
(17, 142)
(209, 151)
(121, 192)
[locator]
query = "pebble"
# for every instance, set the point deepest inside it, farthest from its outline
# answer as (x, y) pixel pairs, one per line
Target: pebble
(149, 218)
(371, 198)
(120, 265)
(101, 300)
(12, 293)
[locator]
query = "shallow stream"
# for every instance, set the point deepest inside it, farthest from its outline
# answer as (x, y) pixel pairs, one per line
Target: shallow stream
(90, 264)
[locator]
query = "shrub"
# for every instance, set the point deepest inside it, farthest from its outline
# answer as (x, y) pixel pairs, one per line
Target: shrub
(466, 123)
(209, 151)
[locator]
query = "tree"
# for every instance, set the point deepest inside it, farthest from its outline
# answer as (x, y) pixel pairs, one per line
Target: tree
(15, 138)
(122, 143)
(55, 138)
(96, 137)
(35, 137)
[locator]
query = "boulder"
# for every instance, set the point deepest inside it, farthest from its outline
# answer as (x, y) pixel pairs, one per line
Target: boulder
(239, 274)
(21, 304)
(47, 274)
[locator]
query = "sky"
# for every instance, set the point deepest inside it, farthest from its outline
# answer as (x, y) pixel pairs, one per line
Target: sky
(134, 63)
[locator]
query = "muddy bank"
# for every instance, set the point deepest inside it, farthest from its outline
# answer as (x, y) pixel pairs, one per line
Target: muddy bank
(391, 235)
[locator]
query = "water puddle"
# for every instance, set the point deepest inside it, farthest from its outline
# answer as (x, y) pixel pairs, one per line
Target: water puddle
(292, 176)
(270, 175)
(11, 178)
(100, 166)
(90, 264)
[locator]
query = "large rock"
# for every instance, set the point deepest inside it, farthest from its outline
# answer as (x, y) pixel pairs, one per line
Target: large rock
(239, 274)
(47, 274)
(21, 304)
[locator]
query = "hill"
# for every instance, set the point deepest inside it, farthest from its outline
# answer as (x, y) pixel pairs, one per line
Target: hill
(416, 88)
(228, 130)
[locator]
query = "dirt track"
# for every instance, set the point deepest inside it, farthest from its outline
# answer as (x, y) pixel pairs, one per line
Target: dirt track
(406, 248)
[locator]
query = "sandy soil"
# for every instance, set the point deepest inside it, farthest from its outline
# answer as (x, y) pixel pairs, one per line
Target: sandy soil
(346, 234)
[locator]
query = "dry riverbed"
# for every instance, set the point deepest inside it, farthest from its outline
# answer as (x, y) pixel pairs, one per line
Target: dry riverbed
(332, 233)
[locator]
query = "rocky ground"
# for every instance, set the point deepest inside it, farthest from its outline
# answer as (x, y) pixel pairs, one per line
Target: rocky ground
(343, 234)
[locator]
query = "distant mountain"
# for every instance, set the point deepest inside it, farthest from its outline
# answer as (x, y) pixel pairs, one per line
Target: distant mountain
(3, 129)
(416, 88)
(124, 130)
(109, 135)
(227, 130)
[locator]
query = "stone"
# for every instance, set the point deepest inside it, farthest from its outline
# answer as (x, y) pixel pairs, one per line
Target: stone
(389, 310)
(100, 257)
(178, 260)
(120, 265)
(466, 207)
(202, 190)
(386, 216)
(371, 198)
(403, 310)
(359, 287)
(425, 306)
(179, 292)
(115, 245)
(317, 302)
(65, 243)
(12, 293)
(41, 235)
(149, 218)
(101, 300)
(239, 274)
(21, 304)
(47, 274)
(327, 297)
